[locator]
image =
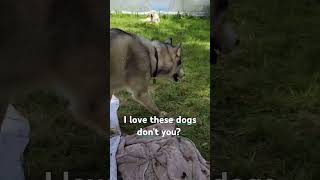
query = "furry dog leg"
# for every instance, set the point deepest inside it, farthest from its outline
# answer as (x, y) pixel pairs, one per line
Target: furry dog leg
(145, 99)
(91, 112)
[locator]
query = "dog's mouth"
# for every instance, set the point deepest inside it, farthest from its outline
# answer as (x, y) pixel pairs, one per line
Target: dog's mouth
(176, 77)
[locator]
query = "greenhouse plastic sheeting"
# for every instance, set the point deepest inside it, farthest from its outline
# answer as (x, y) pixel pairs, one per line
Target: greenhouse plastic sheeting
(190, 7)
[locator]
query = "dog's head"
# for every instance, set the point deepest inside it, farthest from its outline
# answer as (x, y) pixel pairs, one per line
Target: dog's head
(170, 60)
(224, 37)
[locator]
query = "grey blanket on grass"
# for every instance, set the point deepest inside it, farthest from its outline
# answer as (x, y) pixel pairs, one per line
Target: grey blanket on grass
(156, 158)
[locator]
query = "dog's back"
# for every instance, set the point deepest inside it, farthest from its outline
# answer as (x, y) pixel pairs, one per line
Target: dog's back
(55, 42)
(129, 57)
(23, 44)
(38, 36)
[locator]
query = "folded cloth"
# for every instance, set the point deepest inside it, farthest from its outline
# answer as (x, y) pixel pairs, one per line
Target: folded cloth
(14, 137)
(157, 158)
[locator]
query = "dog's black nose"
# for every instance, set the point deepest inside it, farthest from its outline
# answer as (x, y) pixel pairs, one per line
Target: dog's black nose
(237, 42)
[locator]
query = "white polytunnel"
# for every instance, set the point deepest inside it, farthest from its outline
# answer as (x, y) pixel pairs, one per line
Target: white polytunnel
(189, 7)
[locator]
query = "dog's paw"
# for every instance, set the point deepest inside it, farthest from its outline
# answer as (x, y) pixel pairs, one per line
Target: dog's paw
(163, 114)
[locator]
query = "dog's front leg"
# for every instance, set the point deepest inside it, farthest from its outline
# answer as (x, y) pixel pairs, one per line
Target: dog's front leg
(145, 99)
(89, 109)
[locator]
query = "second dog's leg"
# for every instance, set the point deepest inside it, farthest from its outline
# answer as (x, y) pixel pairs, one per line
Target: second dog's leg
(145, 99)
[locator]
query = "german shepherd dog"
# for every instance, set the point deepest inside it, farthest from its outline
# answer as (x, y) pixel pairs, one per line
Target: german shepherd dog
(223, 35)
(57, 43)
(135, 60)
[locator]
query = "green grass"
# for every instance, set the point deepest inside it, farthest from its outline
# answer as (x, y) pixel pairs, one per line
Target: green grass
(188, 98)
(267, 93)
(57, 143)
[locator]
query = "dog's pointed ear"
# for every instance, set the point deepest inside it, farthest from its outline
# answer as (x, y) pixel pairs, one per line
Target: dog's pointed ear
(178, 49)
(169, 41)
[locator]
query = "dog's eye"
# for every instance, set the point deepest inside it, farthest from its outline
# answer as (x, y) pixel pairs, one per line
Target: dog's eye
(179, 62)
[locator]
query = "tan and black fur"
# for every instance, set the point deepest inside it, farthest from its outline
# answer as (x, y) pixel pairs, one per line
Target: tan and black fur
(135, 60)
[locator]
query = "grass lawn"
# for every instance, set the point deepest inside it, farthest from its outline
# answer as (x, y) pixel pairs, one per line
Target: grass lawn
(188, 98)
(57, 143)
(267, 93)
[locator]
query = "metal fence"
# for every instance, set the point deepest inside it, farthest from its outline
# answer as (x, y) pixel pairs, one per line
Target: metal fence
(188, 7)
